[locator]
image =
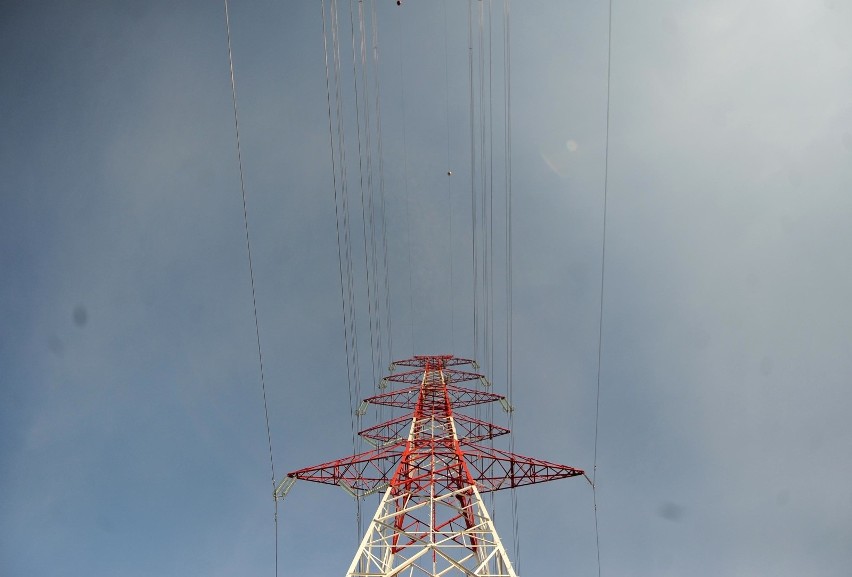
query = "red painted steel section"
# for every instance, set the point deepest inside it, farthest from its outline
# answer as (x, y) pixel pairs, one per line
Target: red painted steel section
(434, 459)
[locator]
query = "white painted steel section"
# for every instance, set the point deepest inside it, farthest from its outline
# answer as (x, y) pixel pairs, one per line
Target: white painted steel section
(439, 553)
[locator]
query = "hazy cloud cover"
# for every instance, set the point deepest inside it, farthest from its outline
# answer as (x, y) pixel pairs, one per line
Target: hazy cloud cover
(132, 439)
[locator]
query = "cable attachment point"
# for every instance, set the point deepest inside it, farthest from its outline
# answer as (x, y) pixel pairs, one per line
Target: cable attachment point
(355, 494)
(283, 488)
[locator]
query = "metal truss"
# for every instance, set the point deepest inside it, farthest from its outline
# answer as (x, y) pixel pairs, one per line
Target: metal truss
(415, 535)
(431, 520)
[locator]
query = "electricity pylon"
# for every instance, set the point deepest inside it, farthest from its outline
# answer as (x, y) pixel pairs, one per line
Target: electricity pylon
(431, 520)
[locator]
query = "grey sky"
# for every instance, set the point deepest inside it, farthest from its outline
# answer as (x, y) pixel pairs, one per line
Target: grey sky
(132, 439)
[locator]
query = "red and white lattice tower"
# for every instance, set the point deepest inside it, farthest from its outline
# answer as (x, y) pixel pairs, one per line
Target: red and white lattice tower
(433, 468)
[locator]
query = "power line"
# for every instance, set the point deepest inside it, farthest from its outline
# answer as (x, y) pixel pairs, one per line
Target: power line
(382, 211)
(473, 165)
(603, 271)
(365, 157)
(362, 186)
(408, 223)
(341, 207)
(251, 269)
(449, 182)
(507, 79)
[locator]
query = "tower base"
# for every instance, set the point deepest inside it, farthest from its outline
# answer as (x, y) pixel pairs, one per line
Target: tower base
(438, 535)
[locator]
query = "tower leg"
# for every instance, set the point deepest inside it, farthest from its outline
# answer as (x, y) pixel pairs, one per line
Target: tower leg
(447, 534)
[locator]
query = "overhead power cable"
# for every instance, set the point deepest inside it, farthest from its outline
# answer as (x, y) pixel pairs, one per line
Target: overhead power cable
(473, 168)
(341, 203)
(603, 277)
(451, 251)
(507, 79)
(364, 113)
(408, 220)
(251, 270)
(383, 214)
(364, 168)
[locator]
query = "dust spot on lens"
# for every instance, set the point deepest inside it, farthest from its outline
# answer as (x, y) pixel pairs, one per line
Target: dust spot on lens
(670, 511)
(55, 345)
(766, 366)
(81, 315)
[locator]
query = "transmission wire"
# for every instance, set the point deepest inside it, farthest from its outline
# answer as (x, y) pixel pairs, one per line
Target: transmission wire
(342, 206)
(369, 256)
(473, 211)
(483, 185)
(603, 269)
(352, 320)
(251, 271)
(449, 183)
(372, 286)
(361, 172)
(354, 383)
(382, 211)
(507, 75)
(407, 199)
(490, 294)
(381, 186)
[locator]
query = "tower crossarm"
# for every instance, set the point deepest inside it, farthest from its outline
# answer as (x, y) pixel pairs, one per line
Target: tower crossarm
(490, 468)
(459, 397)
(403, 398)
(389, 431)
(493, 469)
(450, 376)
(464, 397)
(470, 430)
(445, 360)
(360, 474)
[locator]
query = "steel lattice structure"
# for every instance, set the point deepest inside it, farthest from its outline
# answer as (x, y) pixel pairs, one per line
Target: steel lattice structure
(431, 520)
